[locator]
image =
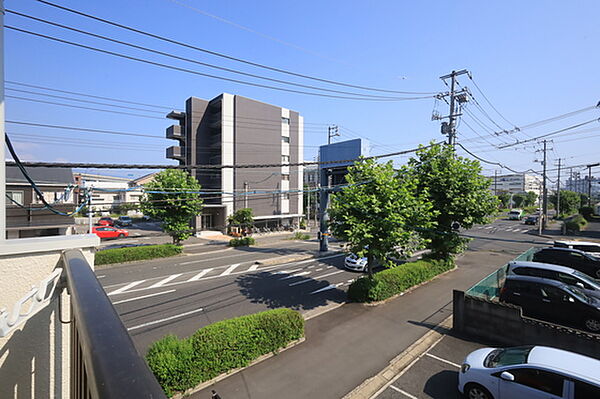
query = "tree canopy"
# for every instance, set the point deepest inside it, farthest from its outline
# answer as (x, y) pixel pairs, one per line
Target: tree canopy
(378, 211)
(172, 197)
(242, 217)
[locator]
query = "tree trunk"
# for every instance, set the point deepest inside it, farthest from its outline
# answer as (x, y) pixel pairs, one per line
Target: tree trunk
(370, 264)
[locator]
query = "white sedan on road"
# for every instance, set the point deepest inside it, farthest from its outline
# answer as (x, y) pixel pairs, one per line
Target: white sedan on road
(529, 372)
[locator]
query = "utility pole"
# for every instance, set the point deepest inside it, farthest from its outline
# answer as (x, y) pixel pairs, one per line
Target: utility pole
(590, 182)
(544, 192)
(89, 194)
(309, 193)
(245, 194)
(461, 96)
(558, 191)
(324, 204)
(332, 131)
(495, 182)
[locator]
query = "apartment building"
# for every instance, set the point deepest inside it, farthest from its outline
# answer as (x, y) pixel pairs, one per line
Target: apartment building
(516, 183)
(234, 130)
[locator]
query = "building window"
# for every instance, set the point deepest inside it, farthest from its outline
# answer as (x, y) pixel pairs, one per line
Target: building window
(285, 121)
(16, 196)
(285, 139)
(285, 159)
(285, 176)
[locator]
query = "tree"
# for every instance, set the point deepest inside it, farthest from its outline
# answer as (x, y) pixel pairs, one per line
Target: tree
(504, 199)
(570, 201)
(241, 218)
(530, 198)
(173, 198)
(378, 211)
(458, 193)
(519, 200)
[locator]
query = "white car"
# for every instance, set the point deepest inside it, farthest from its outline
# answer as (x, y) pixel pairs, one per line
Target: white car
(353, 262)
(589, 247)
(529, 372)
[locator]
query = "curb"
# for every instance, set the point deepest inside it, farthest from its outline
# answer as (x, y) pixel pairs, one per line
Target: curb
(376, 384)
(221, 377)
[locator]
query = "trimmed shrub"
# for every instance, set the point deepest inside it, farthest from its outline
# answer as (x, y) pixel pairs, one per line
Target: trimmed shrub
(221, 347)
(129, 254)
(300, 236)
(587, 212)
(576, 223)
(244, 241)
(397, 279)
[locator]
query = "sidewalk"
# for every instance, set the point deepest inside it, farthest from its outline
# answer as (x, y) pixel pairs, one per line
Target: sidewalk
(347, 345)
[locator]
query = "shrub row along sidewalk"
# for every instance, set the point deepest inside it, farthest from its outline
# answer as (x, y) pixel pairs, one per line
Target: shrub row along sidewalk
(393, 281)
(181, 364)
(129, 254)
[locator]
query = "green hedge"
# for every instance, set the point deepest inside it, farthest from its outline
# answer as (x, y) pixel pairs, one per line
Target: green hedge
(128, 254)
(180, 364)
(576, 223)
(244, 241)
(397, 279)
(587, 212)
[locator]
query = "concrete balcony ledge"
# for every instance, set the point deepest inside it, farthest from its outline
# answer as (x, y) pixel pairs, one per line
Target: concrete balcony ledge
(23, 246)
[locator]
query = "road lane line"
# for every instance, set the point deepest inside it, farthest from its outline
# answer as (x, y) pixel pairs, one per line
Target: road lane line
(403, 392)
(230, 269)
(329, 287)
(314, 279)
(201, 274)
(319, 269)
(143, 296)
(287, 271)
(330, 274)
(126, 287)
(102, 276)
(150, 323)
(295, 275)
(165, 281)
(443, 360)
(253, 268)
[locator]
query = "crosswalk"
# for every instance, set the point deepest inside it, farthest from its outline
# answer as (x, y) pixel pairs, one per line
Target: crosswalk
(496, 228)
(291, 274)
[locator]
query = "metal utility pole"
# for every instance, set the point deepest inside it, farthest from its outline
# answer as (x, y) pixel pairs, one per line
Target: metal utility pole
(332, 131)
(544, 192)
(449, 127)
(324, 204)
(558, 191)
(89, 194)
(590, 182)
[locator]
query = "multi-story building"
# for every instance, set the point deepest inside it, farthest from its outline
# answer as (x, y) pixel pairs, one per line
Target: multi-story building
(583, 184)
(232, 130)
(26, 215)
(516, 183)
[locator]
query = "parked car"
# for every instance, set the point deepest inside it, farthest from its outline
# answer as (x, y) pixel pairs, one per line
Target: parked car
(589, 247)
(124, 221)
(559, 273)
(529, 372)
(353, 262)
(532, 219)
(552, 301)
(515, 214)
(106, 221)
(573, 258)
(109, 232)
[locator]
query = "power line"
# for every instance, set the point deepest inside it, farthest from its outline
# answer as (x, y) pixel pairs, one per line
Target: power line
(172, 41)
(551, 133)
(487, 99)
(550, 120)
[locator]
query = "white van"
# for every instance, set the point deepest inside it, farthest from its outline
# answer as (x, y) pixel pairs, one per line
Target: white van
(515, 214)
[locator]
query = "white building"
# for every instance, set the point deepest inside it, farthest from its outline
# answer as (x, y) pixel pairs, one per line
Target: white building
(516, 183)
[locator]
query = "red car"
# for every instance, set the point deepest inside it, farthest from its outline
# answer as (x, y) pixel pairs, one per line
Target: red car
(106, 221)
(109, 232)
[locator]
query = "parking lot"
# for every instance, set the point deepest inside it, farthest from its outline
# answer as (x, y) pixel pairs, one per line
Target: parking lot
(435, 373)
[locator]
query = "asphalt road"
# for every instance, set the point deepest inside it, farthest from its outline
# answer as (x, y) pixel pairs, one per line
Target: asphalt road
(180, 295)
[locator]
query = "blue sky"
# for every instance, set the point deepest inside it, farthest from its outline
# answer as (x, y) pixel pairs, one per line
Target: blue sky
(533, 60)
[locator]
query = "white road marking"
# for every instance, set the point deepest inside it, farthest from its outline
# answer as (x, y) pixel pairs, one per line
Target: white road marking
(488, 227)
(350, 281)
(319, 269)
(443, 360)
(315, 278)
(295, 275)
(143, 297)
(102, 276)
(201, 274)
(253, 267)
(126, 287)
(207, 260)
(329, 287)
(287, 271)
(403, 392)
(330, 274)
(165, 281)
(230, 269)
(150, 323)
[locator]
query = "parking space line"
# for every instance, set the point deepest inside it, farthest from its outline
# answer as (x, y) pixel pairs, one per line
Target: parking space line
(230, 269)
(403, 392)
(164, 281)
(443, 360)
(201, 274)
(126, 287)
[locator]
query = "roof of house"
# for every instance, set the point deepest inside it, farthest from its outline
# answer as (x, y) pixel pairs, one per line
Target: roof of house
(40, 175)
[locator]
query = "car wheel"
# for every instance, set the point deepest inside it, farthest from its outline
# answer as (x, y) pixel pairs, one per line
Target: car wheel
(592, 325)
(476, 391)
(121, 235)
(598, 273)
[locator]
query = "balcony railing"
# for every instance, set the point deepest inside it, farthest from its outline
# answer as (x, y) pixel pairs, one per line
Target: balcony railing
(104, 361)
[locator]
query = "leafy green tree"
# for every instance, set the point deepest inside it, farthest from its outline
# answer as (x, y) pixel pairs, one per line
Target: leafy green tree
(458, 193)
(172, 197)
(530, 198)
(519, 200)
(570, 201)
(504, 199)
(241, 218)
(378, 211)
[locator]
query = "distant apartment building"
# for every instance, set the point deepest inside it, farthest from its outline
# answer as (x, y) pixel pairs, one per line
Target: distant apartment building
(583, 184)
(26, 215)
(516, 183)
(234, 130)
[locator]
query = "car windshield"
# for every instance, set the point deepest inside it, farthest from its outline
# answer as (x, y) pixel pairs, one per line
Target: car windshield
(507, 356)
(577, 293)
(586, 278)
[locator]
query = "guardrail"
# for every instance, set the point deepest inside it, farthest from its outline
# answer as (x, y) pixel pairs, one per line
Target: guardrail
(104, 361)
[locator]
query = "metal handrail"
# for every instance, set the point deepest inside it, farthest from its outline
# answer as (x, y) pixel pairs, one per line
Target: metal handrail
(104, 361)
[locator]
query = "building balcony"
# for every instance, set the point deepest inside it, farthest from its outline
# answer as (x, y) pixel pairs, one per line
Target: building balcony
(174, 133)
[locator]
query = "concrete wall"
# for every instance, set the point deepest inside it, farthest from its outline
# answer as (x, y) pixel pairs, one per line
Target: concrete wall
(35, 358)
(493, 321)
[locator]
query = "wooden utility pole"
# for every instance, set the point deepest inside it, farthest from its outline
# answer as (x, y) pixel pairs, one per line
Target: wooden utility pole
(332, 131)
